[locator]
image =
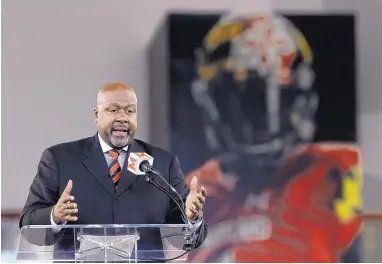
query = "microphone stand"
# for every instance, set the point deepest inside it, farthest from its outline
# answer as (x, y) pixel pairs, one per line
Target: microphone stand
(188, 236)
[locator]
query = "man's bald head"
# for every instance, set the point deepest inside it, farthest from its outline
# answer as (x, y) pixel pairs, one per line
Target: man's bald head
(116, 114)
(114, 87)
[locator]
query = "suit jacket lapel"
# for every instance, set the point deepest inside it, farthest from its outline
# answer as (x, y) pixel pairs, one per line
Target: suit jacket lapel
(95, 162)
(127, 177)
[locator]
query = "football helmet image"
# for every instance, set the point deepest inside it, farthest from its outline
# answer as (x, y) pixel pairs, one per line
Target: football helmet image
(255, 86)
(273, 195)
(255, 93)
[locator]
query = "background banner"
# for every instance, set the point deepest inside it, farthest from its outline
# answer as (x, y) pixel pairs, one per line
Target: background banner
(262, 110)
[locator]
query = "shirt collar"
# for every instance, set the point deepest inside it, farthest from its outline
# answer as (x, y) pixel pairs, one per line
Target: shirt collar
(105, 147)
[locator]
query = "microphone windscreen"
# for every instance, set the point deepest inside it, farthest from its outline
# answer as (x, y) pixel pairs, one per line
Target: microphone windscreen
(135, 159)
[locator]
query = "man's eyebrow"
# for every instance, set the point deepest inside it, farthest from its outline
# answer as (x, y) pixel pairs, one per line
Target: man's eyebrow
(120, 105)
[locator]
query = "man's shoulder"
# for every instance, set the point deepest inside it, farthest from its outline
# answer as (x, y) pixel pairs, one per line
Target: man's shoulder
(71, 146)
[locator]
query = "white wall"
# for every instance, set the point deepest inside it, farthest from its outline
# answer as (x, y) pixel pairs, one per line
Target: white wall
(369, 48)
(57, 54)
(369, 55)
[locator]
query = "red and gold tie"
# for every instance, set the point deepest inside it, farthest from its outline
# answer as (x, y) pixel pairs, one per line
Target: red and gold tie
(114, 167)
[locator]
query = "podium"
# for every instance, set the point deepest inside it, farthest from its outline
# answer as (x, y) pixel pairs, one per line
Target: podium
(105, 243)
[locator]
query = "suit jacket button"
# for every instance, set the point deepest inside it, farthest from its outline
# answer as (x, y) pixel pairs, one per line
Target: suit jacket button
(117, 199)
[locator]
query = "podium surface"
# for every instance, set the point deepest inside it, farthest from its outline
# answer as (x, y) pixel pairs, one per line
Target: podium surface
(105, 243)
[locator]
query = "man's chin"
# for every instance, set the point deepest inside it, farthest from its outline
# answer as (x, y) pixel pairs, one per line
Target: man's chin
(121, 142)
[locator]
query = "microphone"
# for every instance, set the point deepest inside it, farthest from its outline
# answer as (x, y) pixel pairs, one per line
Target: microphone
(135, 160)
(148, 168)
(141, 163)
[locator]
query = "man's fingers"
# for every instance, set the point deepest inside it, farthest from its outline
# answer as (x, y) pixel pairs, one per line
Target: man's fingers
(66, 198)
(70, 211)
(194, 184)
(70, 218)
(63, 206)
(69, 206)
(194, 211)
(68, 187)
(203, 191)
(197, 205)
(201, 199)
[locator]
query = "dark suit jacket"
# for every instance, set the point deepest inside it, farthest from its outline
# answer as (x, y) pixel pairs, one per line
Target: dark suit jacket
(135, 201)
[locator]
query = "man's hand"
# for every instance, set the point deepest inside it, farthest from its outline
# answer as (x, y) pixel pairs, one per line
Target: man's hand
(195, 200)
(64, 208)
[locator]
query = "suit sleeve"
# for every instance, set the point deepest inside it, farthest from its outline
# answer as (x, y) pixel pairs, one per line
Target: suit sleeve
(174, 215)
(43, 195)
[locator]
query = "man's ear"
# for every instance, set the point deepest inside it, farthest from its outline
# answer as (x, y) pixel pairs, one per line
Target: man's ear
(95, 115)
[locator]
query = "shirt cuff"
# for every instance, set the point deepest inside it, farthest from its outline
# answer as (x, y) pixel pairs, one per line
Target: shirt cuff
(198, 221)
(55, 227)
(198, 224)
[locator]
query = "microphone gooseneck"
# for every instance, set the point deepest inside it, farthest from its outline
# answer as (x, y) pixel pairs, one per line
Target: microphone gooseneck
(145, 166)
(140, 163)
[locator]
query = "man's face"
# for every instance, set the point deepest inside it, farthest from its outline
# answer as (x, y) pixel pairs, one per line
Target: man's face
(116, 117)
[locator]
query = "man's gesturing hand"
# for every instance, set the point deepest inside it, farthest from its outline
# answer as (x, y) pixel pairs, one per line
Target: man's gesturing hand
(195, 200)
(65, 207)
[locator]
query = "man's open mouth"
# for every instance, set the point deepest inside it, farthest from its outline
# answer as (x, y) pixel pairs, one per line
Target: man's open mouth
(120, 131)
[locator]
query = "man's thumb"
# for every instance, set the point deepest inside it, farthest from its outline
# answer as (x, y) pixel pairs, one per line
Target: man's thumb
(194, 184)
(69, 187)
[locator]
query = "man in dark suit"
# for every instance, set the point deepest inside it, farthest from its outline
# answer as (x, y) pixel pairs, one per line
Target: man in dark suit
(87, 181)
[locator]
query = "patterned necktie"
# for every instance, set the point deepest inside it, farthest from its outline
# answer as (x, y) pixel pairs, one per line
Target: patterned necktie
(114, 167)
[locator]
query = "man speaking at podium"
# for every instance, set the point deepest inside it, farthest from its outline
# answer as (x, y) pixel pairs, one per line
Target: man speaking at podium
(87, 181)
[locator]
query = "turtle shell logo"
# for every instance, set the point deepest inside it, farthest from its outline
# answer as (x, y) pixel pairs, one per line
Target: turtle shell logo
(350, 204)
(268, 44)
